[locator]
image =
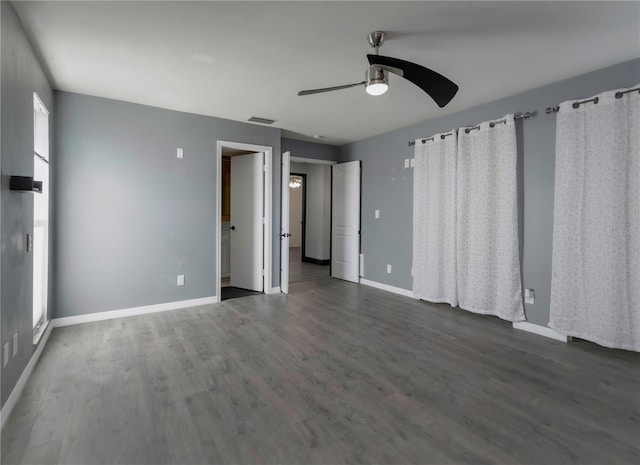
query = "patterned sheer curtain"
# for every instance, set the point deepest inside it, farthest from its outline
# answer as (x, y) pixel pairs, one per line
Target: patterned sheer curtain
(434, 219)
(488, 261)
(595, 286)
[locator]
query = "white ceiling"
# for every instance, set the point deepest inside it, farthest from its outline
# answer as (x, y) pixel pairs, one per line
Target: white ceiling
(240, 59)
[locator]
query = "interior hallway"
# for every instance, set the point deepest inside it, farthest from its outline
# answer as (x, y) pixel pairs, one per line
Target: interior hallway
(304, 271)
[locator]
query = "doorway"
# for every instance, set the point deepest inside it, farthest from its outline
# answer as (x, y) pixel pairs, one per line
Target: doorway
(297, 212)
(243, 216)
(309, 219)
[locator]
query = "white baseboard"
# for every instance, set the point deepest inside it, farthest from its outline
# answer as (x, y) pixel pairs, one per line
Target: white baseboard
(386, 287)
(274, 290)
(540, 330)
(99, 316)
(12, 400)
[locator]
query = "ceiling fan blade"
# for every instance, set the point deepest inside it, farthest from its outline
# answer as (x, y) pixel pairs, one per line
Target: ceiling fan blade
(329, 89)
(441, 89)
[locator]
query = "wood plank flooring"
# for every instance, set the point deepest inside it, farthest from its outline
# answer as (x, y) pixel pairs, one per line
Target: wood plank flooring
(303, 271)
(333, 373)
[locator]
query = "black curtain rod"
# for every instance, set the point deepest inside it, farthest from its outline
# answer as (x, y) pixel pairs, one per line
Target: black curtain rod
(595, 101)
(492, 124)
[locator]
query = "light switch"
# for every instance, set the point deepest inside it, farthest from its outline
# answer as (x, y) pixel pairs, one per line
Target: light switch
(413, 162)
(389, 269)
(180, 280)
(377, 213)
(406, 163)
(180, 152)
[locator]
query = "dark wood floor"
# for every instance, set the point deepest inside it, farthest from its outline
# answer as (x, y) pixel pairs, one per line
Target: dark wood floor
(333, 373)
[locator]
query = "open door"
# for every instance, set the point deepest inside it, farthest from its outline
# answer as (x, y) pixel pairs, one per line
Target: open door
(284, 227)
(246, 221)
(345, 221)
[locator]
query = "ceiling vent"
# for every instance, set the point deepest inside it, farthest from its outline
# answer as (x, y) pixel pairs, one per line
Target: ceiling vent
(257, 119)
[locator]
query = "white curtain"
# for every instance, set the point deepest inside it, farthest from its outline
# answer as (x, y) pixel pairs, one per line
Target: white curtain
(434, 219)
(488, 262)
(595, 286)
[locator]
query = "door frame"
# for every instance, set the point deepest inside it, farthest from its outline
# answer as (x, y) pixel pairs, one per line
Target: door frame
(304, 212)
(268, 213)
(315, 161)
(285, 176)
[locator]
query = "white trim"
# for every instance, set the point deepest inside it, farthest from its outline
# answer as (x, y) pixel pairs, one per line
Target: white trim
(99, 316)
(218, 217)
(43, 108)
(285, 201)
(386, 287)
(312, 161)
(268, 217)
(37, 334)
(268, 214)
(12, 400)
(274, 290)
(540, 330)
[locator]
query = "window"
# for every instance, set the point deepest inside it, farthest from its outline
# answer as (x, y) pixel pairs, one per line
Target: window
(40, 246)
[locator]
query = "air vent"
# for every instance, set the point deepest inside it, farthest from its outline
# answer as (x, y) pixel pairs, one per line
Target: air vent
(257, 119)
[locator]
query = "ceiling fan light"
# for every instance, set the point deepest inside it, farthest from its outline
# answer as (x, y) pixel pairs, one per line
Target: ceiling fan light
(377, 81)
(377, 88)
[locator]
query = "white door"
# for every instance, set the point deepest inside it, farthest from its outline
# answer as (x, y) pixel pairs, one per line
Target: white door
(246, 221)
(225, 256)
(345, 221)
(284, 228)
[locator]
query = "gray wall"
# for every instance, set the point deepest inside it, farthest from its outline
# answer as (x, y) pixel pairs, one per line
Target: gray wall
(299, 148)
(387, 186)
(21, 74)
(131, 215)
(318, 205)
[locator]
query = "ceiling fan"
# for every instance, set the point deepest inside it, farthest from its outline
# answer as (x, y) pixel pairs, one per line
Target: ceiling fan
(376, 82)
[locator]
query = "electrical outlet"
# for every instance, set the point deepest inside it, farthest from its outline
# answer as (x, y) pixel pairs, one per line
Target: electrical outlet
(377, 213)
(389, 269)
(529, 296)
(180, 152)
(5, 355)
(15, 344)
(180, 280)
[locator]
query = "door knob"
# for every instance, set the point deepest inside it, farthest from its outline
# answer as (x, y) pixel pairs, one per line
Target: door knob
(233, 228)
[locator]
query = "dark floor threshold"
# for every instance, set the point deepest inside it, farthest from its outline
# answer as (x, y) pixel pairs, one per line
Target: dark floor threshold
(230, 292)
(316, 261)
